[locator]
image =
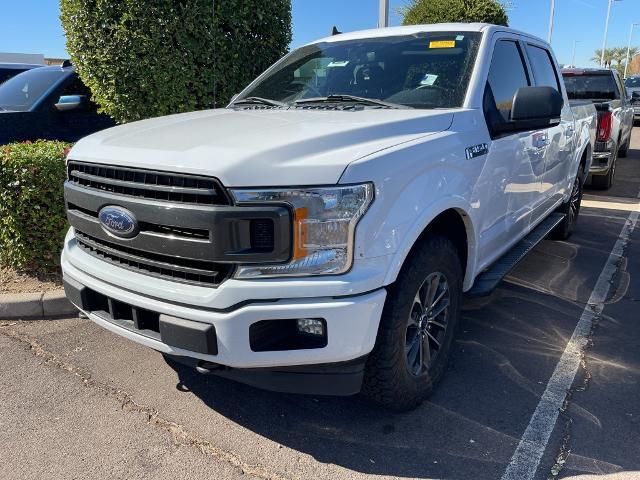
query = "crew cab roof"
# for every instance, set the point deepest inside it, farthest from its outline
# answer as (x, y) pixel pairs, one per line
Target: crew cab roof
(413, 29)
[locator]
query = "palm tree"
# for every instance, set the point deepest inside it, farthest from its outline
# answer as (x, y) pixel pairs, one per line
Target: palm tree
(608, 56)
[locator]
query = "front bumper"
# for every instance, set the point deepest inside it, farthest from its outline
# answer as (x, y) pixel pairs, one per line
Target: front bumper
(351, 324)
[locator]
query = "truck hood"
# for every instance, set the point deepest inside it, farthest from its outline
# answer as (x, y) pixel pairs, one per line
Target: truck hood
(247, 148)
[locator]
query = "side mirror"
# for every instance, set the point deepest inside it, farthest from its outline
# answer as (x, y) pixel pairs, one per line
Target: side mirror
(533, 108)
(67, 103)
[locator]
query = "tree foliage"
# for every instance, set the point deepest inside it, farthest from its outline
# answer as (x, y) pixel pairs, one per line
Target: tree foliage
(615, 57)
(465, 11)
(146, 58)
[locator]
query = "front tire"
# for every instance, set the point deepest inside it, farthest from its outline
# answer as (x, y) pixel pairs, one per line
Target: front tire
(417, 327)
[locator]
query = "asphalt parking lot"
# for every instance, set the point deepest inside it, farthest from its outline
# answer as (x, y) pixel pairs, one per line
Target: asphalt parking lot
(79, 402)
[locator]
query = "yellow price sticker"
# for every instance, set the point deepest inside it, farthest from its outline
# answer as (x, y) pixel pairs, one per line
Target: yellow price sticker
(442, 44)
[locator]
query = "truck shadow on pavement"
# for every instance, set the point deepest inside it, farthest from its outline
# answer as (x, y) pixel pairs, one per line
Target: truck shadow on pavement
(506, 349)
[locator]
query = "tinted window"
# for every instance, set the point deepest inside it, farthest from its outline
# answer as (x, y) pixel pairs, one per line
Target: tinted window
(506, 75)
(21, 92)
(633, 82)
(425, 70)
(544, 72)
(620, 85)
(588, 86)
(7, 73)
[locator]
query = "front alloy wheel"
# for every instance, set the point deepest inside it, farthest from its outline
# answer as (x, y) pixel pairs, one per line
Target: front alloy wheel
(427, 325)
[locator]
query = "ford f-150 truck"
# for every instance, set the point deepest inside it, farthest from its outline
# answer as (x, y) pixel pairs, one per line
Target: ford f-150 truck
(317, 235)
(606, 90)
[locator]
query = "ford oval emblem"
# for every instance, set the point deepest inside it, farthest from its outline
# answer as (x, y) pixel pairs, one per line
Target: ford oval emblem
(118, 221)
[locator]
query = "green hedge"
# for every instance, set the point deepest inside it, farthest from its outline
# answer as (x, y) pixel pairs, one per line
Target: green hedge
(147, 58)
(32, 216)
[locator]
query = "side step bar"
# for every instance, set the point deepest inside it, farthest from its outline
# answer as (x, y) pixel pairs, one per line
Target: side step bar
(488, 280)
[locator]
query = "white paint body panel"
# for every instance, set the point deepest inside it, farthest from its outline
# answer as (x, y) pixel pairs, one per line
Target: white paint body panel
(415, 158)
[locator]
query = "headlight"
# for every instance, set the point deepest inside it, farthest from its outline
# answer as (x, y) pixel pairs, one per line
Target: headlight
(324, 222)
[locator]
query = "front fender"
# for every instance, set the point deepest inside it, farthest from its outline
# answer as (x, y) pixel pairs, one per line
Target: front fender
(422, 221)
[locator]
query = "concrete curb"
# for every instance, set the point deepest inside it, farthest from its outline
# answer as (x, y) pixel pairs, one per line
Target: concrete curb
(35, 306)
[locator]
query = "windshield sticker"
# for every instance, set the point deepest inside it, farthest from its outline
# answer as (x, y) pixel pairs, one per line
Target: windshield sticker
(429, 79)
(442, 44)
(459, 38)
(338, 63)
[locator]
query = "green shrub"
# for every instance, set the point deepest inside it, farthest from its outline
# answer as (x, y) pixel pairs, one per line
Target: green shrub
(146, 58)
(32, 216)
(444, 11)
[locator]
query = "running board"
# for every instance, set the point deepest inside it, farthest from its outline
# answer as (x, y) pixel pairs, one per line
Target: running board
(488, 280)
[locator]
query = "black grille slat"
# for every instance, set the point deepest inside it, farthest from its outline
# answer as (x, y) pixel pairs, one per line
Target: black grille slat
(165, 186)
(177, 269)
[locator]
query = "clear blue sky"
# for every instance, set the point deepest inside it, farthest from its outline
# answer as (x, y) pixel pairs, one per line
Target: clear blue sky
(32, 26)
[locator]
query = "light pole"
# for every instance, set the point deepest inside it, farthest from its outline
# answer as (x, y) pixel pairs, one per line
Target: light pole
(606, 30)
(383, 17)
(626, 64)
(551, 15)
(573, 53)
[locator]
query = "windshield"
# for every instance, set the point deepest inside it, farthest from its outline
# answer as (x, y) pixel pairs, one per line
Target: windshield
(591, 87)
(425, 70)
(633, 82)
(21, 92)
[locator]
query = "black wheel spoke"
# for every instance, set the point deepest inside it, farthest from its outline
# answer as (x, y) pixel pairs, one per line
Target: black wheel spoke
(427, 323)
(438, 309)
(433, 339)
(426, 352)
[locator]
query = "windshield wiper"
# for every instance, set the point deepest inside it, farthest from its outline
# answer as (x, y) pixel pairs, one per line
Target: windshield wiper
(259, 101)
(350, 99)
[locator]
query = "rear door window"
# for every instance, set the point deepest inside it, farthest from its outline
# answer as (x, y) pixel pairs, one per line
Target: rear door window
(544, 73)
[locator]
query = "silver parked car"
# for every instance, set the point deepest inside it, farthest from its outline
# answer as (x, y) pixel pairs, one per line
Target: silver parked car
(633, 87)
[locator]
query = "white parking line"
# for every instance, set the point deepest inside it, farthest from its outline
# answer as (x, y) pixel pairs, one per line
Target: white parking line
(526, 458)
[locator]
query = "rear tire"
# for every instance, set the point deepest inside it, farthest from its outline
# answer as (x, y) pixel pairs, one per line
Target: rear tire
(624, 150)
(417, 327)
(570, 209)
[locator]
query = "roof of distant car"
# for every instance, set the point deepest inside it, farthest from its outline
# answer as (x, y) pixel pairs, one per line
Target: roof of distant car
(21, 66)
(587, 71)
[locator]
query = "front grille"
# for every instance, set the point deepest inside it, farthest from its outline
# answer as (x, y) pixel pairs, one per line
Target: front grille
(183, 270)
(151, 184)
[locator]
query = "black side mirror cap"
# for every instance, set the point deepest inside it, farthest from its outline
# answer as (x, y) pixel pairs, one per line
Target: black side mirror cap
(533, 108)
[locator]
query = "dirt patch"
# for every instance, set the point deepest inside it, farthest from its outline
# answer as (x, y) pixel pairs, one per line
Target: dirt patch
(15, 282)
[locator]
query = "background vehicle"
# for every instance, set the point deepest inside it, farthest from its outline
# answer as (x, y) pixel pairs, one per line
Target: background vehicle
(317, 234)
(605, 89)
(48, 103)
(8, 70)
(633, 88)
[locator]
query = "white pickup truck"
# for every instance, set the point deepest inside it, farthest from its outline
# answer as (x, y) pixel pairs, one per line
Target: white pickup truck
(318, 234)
